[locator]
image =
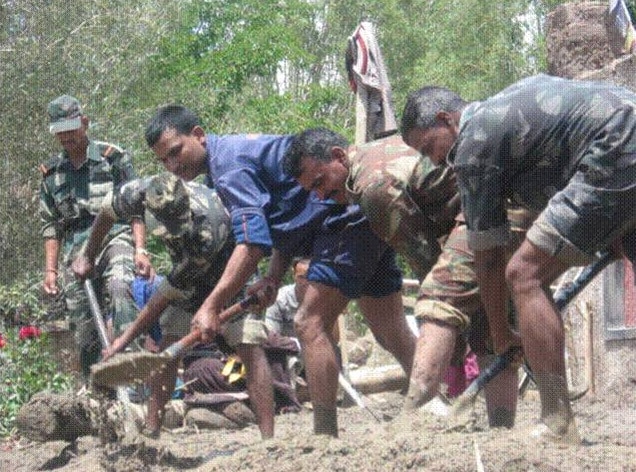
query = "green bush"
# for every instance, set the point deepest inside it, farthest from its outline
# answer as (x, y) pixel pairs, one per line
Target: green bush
(20, 302)
(26, 367)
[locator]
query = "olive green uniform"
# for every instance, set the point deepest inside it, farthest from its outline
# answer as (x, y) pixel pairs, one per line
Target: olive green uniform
(70, 199)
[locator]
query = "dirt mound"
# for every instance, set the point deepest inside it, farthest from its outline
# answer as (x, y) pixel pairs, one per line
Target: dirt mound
(48, 417)
(577, 39)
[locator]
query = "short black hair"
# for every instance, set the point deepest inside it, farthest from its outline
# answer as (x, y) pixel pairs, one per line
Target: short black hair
(313, 142)
(176, 117)
(423, 105)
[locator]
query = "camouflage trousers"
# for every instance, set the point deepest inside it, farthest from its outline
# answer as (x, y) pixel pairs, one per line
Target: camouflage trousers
(114, 273)
(450, 295)
(450, 292)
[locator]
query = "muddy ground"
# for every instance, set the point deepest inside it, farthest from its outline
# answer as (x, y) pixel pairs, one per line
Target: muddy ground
(419, 442)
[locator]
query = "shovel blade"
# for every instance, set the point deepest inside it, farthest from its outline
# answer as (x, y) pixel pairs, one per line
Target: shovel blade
(126, 368)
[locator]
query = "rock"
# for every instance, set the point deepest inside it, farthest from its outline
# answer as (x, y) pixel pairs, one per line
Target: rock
(175, 414)
(360, 349)
(204, 418)
(52, 417)
(621, 72)
(577, 39)
(239, 413)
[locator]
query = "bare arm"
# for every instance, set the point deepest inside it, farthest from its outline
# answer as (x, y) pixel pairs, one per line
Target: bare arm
(51, 251)
(278, 266)
(83, 264)
(143, 266)
(267, 287)
(241, 266)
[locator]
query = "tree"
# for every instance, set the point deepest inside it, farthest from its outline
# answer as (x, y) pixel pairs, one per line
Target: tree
(93, 50)
(243, 65)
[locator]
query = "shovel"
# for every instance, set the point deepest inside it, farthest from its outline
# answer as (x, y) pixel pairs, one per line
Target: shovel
(562, 297)
(137, 366)
(122, 394)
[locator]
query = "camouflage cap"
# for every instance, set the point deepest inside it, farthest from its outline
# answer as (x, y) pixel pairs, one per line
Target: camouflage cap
(168, 200)
(65, 114)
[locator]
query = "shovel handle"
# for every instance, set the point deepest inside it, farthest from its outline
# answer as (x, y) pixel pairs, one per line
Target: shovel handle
(96, 313)
(237, 308)
(195, 335)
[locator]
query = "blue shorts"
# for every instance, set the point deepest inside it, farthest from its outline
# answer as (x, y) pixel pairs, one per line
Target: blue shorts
(347, 255)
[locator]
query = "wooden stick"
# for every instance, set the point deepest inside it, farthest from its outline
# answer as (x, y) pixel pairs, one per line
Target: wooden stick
(480, 464)
(589, 346)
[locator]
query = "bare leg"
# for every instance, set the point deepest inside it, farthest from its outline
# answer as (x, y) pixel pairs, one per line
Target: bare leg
(434, 352)
(501, 395)
(388, 324)
(314, 323)
(259, 386)
(161, 385)
(529, 274)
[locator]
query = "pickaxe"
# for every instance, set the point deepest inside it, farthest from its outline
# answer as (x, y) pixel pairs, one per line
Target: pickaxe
(562, 297)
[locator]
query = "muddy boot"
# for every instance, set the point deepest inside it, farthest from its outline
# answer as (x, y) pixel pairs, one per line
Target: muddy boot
(557, 418)
(326, 421)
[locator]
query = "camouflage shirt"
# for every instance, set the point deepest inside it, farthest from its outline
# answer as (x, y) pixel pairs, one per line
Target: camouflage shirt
(525, 143)
(408, 201)
(200, 254)
(70, 198)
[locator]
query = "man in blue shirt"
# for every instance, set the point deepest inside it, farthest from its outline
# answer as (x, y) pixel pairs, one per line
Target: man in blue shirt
(271, 214)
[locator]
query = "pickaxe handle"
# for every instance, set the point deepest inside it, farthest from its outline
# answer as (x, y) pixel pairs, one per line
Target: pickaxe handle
(176, 349)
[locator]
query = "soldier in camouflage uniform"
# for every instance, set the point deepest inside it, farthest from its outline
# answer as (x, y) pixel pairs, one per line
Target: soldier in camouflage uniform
(412, 205)
(195, 228)
(564, 148)
(73, 186)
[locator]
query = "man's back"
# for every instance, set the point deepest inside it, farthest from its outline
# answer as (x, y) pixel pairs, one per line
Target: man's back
(200, 253)
(541, 129)
(408, 200)
(247, 172)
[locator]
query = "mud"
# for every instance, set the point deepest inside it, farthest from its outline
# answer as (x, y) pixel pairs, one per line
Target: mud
(49, 417)
(420, 441)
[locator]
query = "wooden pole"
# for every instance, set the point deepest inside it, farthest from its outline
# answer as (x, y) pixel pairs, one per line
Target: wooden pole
(361, 137)
(589, 347)
(384, 378)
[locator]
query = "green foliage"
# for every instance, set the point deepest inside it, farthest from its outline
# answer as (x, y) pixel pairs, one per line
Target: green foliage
(95, 51)
(20, 302)
(26, 367)
(249, 69)
(273, 66)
